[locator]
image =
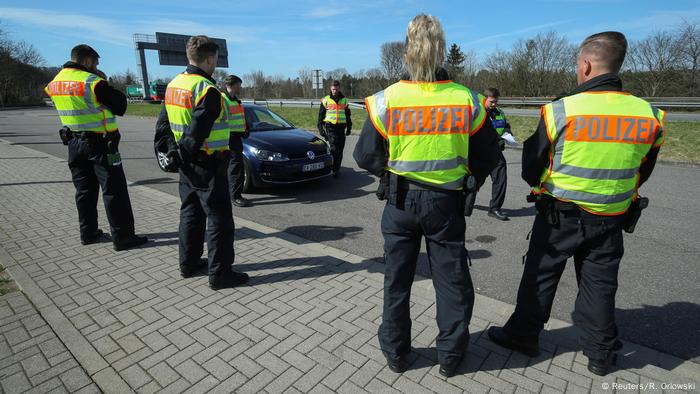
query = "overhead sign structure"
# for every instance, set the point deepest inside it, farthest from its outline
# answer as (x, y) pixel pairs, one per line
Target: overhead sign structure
(172, 51)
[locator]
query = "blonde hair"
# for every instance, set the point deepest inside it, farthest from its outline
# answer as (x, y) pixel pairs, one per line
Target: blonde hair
(425, 47)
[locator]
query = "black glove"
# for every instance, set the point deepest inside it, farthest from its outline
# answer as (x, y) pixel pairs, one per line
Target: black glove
(348, 130)
(246, 134)
(322, 130)
(174, 157)
(502, 144)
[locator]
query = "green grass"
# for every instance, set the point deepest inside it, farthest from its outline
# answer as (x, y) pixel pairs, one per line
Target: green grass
(682, 138)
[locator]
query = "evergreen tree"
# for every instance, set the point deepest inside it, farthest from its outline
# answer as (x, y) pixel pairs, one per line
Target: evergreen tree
(455, 62)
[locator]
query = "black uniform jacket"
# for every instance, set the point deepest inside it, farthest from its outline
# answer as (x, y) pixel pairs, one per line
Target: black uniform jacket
(536, 148)
(105, 94)
(322, 113)
(371, 151)
(203, 117)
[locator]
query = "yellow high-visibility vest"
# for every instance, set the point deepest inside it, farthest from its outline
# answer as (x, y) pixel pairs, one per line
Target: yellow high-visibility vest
(183, 94)
(236, 115)
(73, 93)
(599, 140)
(335, 111)
(428, 125)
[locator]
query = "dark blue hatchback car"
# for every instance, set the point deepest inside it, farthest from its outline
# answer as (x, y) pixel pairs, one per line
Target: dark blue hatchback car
(275, 153)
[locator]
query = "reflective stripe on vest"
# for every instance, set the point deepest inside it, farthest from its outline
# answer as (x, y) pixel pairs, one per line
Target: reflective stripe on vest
(73, 94)
(599, 140)
(428, 126)
(335, 112)
(499, 122)
(183, 94)
(236, 115)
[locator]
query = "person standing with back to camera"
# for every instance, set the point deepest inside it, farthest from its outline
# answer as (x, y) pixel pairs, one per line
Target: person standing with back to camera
(426, 138)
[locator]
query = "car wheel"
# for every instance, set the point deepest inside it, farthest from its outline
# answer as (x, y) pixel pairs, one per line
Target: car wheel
(247, 177)
(164, 163)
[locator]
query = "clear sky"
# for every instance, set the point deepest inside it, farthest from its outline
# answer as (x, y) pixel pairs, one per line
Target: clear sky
(281, 37)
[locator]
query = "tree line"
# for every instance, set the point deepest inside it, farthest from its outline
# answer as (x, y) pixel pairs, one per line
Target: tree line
(666, 63)
(23, 72)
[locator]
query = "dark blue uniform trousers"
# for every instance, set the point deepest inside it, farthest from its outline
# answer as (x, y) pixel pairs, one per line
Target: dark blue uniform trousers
(596, 244)
(206, 207)
(438, 217)
(236, 169)
(90, 171)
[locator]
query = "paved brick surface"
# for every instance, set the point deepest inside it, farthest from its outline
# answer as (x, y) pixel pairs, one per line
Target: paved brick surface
(32, 357)
(307, 321)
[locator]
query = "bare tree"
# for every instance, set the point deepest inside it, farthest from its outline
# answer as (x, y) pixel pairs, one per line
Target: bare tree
(218, 75)
(470, 68)
(653, 61)
(26, 53)
(393, 60)
(257, 83)
(306, 80)
(689, 47)
(543, 65)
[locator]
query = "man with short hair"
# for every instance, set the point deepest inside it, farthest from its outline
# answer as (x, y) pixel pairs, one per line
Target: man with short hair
(197, 117)
(592, 150)
(334, 123)
(499, 175)
(236, 169)
(87, 106)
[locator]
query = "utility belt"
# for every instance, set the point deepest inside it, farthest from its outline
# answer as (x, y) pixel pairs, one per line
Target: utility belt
(66, 134)
(552, 210)
(393, 188)
(203, 159)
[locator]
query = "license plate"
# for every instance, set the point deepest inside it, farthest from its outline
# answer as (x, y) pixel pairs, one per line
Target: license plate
(312, 166)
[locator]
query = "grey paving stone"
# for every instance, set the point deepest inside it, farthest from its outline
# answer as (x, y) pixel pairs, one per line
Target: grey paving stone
(311, 378)
(163, 374)
(16, 383)
(282, 382)
(135, 376)
(220, 369)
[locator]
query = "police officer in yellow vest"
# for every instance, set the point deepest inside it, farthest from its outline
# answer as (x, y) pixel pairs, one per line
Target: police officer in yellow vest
(196, 112)
(591, 152)
(236, 169)
(334, 123)
(426, 135)
(87, 106)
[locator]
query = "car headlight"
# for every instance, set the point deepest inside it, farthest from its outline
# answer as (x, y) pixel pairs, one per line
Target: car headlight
(266, 155)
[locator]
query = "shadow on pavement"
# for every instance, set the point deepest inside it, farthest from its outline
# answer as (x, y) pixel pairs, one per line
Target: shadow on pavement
(348, 186)
(673, 328)
(307, 268)
(33, 183)
(154, 181)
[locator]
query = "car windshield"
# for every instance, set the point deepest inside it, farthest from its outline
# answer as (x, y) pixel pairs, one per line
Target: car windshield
(262, 119)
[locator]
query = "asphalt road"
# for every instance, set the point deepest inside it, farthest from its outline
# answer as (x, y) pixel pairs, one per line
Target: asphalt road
(658, 302)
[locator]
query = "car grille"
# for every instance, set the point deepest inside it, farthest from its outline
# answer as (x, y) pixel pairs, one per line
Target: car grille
(317, 152)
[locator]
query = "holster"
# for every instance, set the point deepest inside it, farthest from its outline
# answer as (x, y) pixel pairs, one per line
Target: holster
(393, 193)
(469, 189)
(546, 206)
(65, 134)
(634, 213)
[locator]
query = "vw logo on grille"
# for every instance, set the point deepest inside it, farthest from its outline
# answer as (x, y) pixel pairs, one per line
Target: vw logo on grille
(311, 155)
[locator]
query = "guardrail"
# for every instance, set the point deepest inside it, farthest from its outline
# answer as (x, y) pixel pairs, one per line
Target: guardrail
(662, 102)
